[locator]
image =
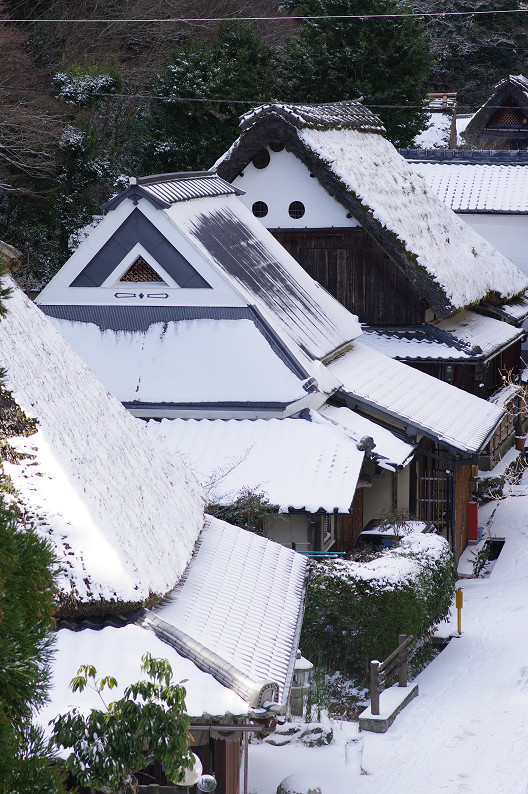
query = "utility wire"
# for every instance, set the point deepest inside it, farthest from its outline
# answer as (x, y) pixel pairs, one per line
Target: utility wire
(217, 100)
(201, 20)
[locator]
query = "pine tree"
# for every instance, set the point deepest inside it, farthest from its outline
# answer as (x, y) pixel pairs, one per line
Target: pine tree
(236, 64)
(387, 61)
(26, 609)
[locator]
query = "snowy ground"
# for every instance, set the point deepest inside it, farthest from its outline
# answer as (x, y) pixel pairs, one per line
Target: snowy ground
(468, 729)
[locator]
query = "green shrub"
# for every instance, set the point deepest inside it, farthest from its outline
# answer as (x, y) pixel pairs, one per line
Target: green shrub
(355, 611)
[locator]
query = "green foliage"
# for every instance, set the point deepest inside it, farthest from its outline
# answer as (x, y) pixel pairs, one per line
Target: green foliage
(387, 61)
(236, 64)
(26, 643)
(474, 52)
(249, 511)
(148, 724)
(352, 616)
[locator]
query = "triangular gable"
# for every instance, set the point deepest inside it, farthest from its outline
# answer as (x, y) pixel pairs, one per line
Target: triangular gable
(138, 229)
(505, 114)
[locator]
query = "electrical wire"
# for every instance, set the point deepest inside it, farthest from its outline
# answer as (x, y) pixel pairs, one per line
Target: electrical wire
(217, 100)
(202, 20)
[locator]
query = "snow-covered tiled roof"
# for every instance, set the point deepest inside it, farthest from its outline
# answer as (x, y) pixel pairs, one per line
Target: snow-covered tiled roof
(479, 187)
(464, 265)
(122, 530)
(479, 332)
(416, 400)
(418, 344)
(117, 652)
(474, 156)
(516, 310)
(298, 464)
(350, 115)
(187, 362)
(295, 305)
(242, 597)
(389, 450)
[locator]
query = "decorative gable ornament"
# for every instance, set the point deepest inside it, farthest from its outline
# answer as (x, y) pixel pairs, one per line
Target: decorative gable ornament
(141, 273)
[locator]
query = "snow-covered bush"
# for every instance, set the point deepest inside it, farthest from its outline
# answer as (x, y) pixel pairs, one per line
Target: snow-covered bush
(355, 611)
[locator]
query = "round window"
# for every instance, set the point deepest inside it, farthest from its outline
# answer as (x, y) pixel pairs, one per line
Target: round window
(261, 159)
(296, 209)
(260, 209)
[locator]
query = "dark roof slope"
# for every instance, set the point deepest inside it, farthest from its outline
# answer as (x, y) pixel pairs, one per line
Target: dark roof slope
(348, 115)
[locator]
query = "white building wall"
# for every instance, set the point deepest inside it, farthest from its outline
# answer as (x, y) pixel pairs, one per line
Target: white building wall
(287, 529)
(283, 181)
(377, 498)
(507, 233)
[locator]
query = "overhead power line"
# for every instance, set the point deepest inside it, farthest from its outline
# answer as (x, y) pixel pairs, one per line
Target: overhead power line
(218, 100)
(202, 20)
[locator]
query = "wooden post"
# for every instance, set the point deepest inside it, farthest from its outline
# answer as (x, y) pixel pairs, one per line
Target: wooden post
(402, 660)
(374, 687)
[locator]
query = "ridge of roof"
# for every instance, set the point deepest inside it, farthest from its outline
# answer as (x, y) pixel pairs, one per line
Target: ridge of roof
(467, 156)
(349, 115)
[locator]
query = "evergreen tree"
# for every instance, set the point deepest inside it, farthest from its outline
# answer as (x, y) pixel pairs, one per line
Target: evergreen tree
(236, 64)
(147, 724)
(474, 52)
(26, 609)
(387, 61)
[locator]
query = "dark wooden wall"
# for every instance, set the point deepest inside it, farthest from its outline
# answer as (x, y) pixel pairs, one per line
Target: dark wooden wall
(351, 265)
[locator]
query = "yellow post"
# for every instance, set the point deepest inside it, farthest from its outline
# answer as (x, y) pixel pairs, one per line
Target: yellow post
(459, 603)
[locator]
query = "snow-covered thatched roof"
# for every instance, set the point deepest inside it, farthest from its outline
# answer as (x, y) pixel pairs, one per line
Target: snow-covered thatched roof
(506, 108)
(121, 513)
(449, 264)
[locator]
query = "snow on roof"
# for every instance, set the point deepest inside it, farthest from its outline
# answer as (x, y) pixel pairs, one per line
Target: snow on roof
(454, 417)
(299, 464)
(121, 529)
(243, 598)
(479, 187)
(186, 362)
(267, 276)
(464, 265)
(437, 133)
(414, 344)
(516, 310)
(483, 334)
(118, 652)
(350, 115)
(392, 450)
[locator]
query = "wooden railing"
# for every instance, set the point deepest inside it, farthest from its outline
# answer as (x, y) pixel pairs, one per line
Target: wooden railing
(394, 666)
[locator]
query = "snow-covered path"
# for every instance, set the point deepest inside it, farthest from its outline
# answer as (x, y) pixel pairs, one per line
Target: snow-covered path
(468, 729)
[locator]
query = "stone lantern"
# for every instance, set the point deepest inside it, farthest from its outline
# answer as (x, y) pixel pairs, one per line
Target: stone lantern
(300, 685)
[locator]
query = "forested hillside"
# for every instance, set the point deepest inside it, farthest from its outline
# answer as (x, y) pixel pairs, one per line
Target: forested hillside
(86, 101)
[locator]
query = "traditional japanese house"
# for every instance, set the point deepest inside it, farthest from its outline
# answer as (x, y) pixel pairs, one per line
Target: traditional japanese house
(502, 122)
(231, 360)
(141, 567)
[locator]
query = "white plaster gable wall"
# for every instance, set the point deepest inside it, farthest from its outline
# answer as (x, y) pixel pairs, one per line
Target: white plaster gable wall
(59, 292)
(507, 233)
(284, 180)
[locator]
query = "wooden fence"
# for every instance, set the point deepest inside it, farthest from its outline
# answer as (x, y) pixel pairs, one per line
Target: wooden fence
(394, 666)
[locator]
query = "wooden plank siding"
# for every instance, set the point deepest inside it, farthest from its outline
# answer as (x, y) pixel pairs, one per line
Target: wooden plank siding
(462, 497)
(353, 267)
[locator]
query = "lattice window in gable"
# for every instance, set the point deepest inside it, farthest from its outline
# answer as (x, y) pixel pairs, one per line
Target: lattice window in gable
(507, 116)
(141, 272)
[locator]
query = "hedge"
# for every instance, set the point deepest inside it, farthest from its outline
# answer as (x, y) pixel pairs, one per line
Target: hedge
(355, 611)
